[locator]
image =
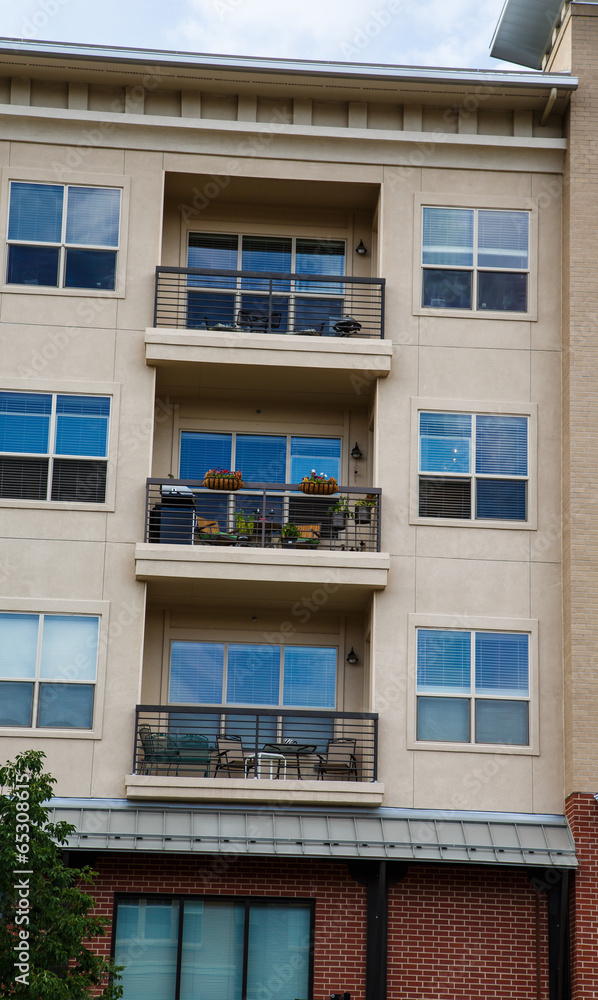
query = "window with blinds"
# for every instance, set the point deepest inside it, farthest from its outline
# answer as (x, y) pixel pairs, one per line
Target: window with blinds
(267, 458)
(233, 673)
(279, 303)
(475, 259)
(48, 667)
(53, 446)
(63, 236)
(204, 946)
(473, 687)
(473, 467)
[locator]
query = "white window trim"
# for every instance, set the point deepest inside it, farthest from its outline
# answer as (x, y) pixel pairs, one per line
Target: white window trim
(111, 389)
(58, 607)
(528, 626)
(76, 179)
(515, 204)
(529, 410)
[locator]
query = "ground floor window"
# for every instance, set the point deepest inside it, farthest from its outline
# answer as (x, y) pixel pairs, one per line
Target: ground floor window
(221, 949)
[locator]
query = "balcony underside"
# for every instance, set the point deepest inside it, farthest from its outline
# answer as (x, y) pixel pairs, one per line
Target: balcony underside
(282, 363)
(191, 789)
(207, 574)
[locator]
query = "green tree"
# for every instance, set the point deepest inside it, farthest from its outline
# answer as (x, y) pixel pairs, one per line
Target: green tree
(44, 913)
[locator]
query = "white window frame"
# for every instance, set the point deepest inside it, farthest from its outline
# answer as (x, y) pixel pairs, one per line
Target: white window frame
(476, 408)
(526, 626)
(435, 200)
(98, 609)
(79, 388)
(64, 179)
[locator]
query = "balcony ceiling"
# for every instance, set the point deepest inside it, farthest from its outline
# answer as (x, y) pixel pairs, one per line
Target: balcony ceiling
(296, 194)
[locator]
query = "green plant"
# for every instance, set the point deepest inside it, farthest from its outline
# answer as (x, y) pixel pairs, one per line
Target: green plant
(289, 530)
(342, 507)
(369, 500)
(45, 913)
(245, 523)
(222, 474)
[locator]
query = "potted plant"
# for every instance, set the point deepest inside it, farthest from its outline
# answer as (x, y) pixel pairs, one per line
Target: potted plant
(339, 513)
(245, 523)
(363, 508)
(289, 533)
(223, 479)
(318, 482)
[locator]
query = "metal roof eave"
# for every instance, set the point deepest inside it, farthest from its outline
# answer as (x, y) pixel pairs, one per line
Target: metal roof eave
(399, 834)
(188, 60)
(524, 31)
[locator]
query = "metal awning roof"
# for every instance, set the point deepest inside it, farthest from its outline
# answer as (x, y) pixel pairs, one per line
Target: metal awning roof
(396, 834)
(524, 31)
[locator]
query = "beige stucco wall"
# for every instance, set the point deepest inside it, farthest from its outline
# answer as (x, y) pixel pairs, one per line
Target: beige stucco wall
(497, 575)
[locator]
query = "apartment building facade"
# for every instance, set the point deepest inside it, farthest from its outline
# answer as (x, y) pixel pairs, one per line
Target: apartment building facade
(305, 714)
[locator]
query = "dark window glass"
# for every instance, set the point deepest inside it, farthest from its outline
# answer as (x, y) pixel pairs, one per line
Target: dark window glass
(317, 315)
(443, 719)
(447, 289)
(502, 291)
(90, 269)
(16, 700)
(78, 480)
(65, 706)
(24, 478)
(33, 265)
(504, 499)
(444, 497)
(205, 310)
(501, 721)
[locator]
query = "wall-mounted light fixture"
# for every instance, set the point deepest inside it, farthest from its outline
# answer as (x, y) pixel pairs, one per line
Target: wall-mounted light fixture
(356, 453)
(352, 657)
(361, 248)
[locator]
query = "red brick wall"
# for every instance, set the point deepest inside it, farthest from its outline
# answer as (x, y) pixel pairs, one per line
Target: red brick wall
(460, 933)
(582, 813)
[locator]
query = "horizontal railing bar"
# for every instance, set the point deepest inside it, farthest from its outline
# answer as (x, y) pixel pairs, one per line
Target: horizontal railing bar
(253, 712)
(280, 275)
(269, 487)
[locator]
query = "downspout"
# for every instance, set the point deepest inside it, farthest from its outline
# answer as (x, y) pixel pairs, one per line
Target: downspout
(377, 876)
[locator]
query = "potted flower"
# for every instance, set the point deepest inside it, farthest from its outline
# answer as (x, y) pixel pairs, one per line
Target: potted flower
(363, 508)
(289, 533)
(339, 513)
(318, 482)
(223, 479)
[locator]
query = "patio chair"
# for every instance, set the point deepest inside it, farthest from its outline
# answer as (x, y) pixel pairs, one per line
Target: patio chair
(209, 533)
(339, 759)
(231, 757)
(155, 750)
(309, 535)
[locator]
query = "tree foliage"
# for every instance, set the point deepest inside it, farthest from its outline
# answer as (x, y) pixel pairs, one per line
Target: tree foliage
(45, 914)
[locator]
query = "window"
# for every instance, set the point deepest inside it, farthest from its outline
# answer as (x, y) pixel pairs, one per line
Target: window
(473, 467)
(260, 457)
(295, 305)
(252, 675)
(48, 667)
(472, 686)
(216, 673)
(63, 236)
(475, 259)
(53, 446)
(226, 949)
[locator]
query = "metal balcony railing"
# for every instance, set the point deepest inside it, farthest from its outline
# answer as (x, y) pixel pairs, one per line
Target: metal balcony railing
(266, 515)
(269, 302)
(223, 742)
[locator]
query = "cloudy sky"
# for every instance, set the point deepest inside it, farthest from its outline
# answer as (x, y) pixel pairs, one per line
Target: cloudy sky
(401, 32)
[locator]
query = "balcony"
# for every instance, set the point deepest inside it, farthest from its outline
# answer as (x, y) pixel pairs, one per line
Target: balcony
(267, 535)
(207, 753)
(247, 302)
(289, 332)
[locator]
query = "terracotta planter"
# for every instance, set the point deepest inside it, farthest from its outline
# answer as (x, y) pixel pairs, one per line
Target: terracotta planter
(325, 488)
(226, 483)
